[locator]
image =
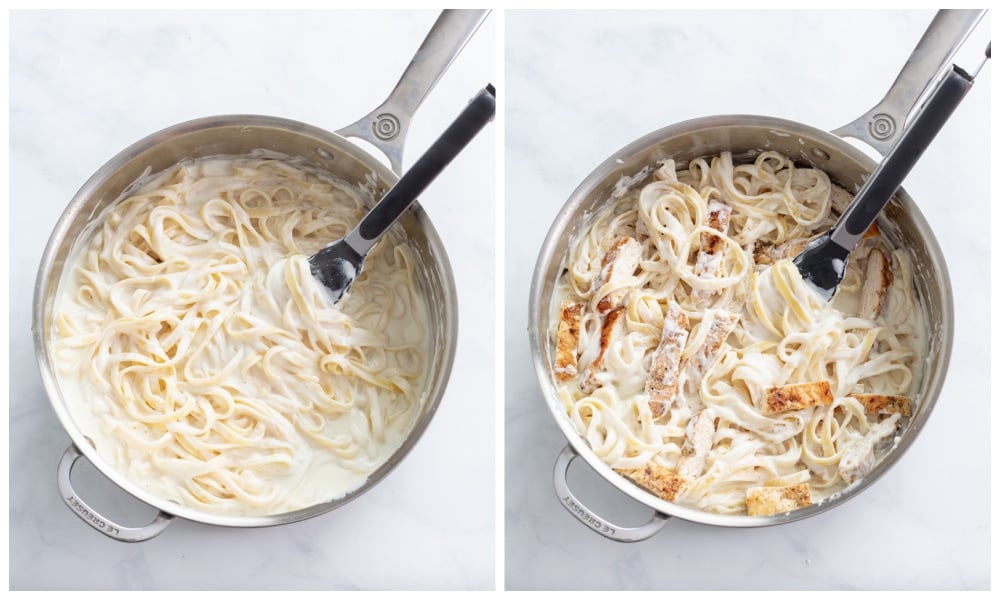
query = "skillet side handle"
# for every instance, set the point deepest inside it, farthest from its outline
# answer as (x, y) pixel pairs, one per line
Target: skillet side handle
(386, 126)
(587, 516)
(880, 126)
(92, 518)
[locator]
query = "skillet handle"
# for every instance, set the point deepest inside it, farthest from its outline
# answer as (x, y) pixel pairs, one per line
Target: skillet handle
(587, 516)
(386, 126)
(880, 126)
(477, 113)
(95, 520)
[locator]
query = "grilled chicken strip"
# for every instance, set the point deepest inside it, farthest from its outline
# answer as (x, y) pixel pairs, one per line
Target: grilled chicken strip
(763, 501)
(664, 376)
(885, 404)
(720, 324)
(698, 442)
(859, 458)
(613, 327)
(878, 277)
(708, 263)
(567, 340)
(658, 479)
(796, 396)
(617, 266)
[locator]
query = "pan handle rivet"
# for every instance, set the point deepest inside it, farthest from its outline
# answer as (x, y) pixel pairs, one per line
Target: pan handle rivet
(386, 126)
(820, 154)
(882, 126)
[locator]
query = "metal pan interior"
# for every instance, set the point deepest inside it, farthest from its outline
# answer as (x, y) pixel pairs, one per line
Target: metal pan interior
(241, 135)
(745, 136)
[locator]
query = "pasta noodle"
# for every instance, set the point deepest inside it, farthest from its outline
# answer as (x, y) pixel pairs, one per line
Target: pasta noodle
(209, 366)
(730, 371)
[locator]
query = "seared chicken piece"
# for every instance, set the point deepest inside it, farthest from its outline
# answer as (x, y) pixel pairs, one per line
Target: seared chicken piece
(698, 441)
(664, 375)
(720, 326)
(763, 501)
(885, 404)
(878, 277)
(872, 231)
(859, 458)
(708, 263)
(618, 265)
(796, 396)
(840, 198)
(709, 259)
(767, 254)
(614, 326)
(567, 339)
(658, 479)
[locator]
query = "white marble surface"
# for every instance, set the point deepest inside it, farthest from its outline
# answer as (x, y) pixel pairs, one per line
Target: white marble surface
(83, 87)
(579, 87)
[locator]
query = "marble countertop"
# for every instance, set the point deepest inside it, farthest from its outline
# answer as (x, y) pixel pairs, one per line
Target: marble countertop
(83, 86)
(580, 85)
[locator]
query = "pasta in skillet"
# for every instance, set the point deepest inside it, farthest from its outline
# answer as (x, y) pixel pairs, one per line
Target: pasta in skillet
(695, 360)
(206, 362)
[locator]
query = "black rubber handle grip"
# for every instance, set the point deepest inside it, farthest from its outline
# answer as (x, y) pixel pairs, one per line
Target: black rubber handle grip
(880, 187)
(470, 122)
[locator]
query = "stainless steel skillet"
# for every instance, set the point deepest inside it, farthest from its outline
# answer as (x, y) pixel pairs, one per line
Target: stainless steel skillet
(331, 153)
(746, 136)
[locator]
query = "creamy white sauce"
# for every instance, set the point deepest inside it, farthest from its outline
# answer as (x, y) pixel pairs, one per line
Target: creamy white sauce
(209, 366)
(786, 333)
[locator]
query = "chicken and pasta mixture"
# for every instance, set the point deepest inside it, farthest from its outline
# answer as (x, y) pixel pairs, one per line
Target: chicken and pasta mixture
(694, 359)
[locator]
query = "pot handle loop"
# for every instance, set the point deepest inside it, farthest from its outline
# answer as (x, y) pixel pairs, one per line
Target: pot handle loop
(95, 520)
(588, 517)
(880, 126)
(386, 126)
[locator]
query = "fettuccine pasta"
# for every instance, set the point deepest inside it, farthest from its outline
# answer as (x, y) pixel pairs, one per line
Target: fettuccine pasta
(694, 359)
(211, 368)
